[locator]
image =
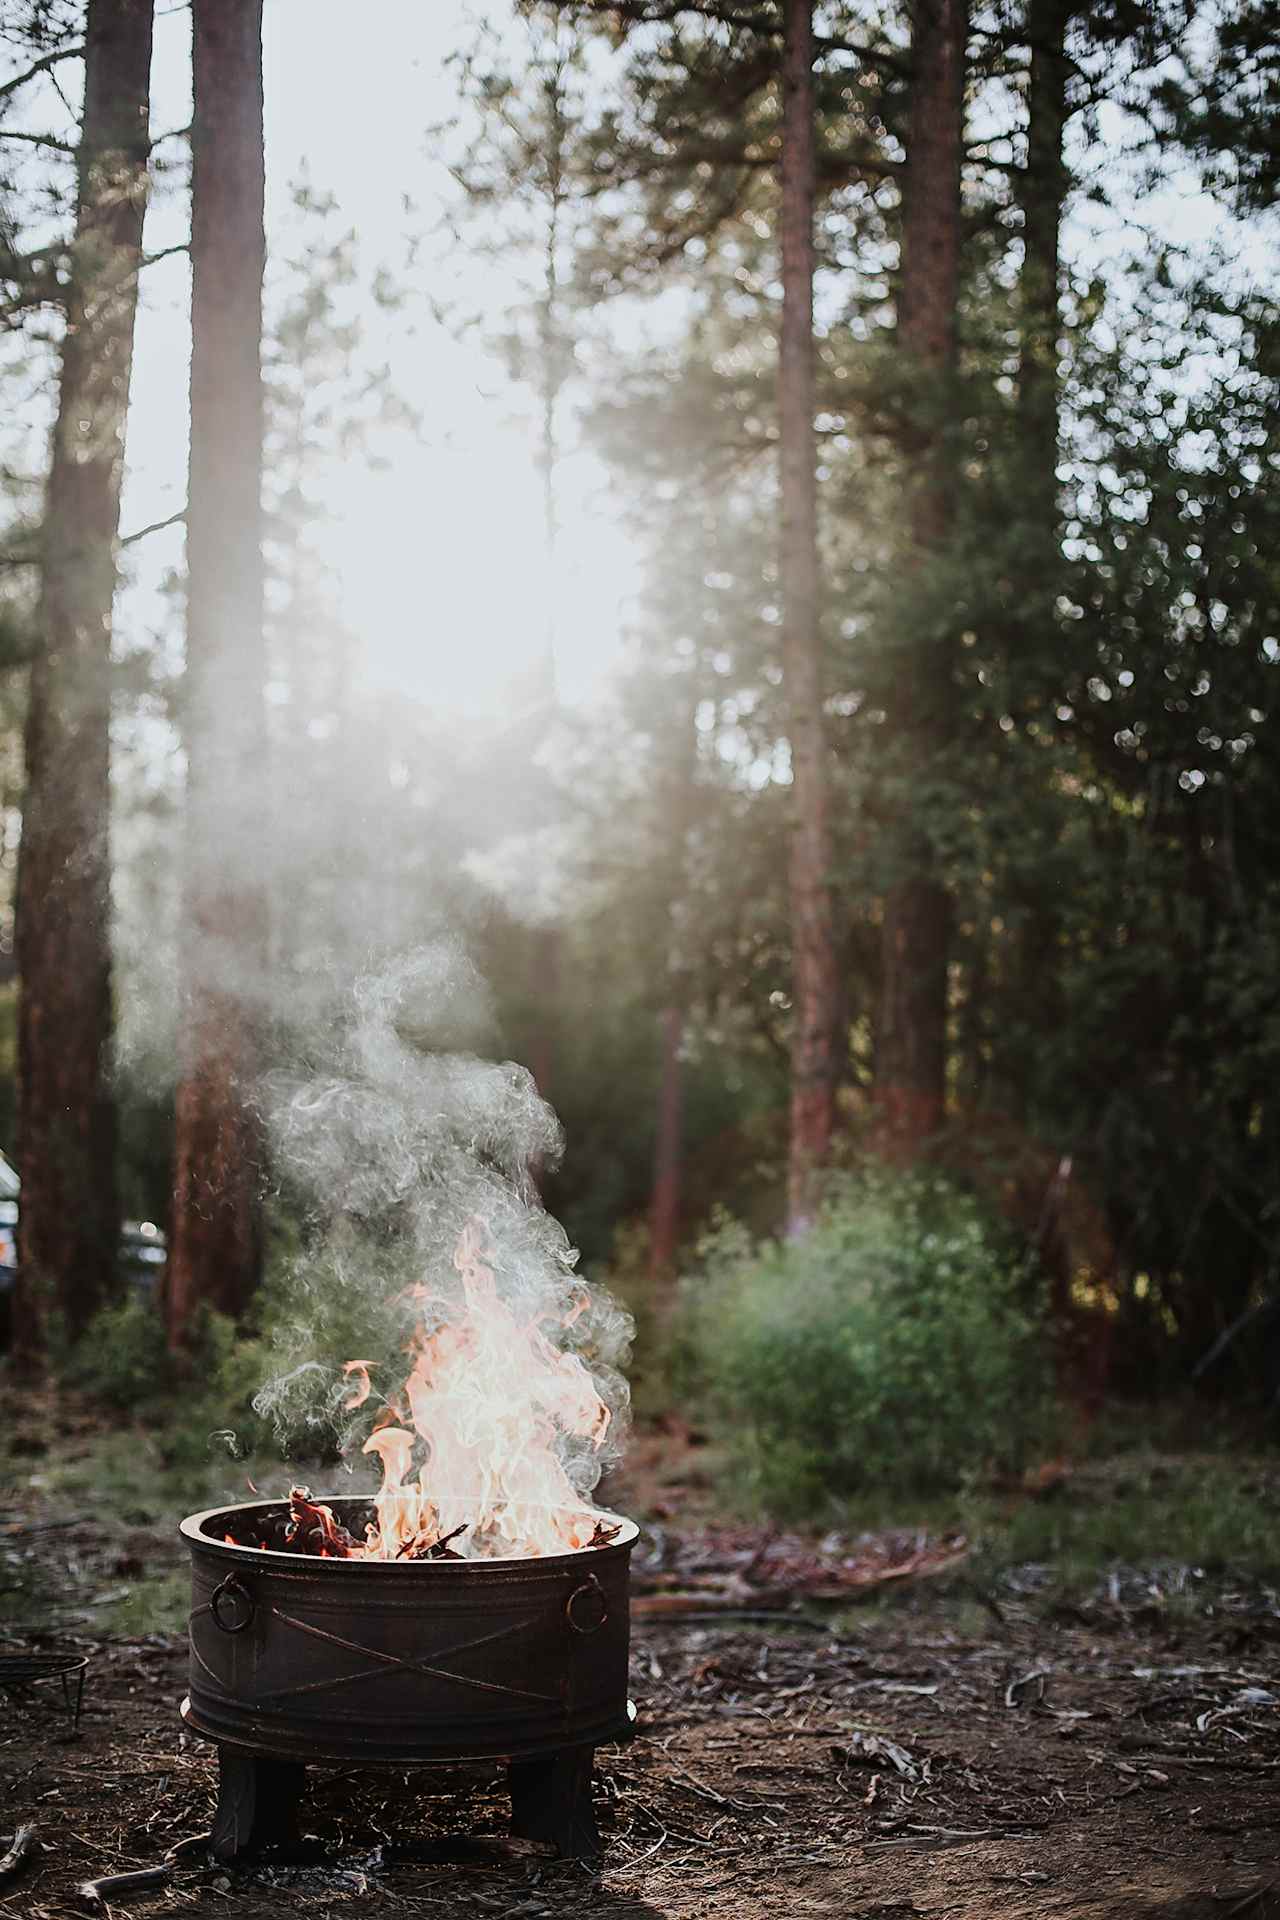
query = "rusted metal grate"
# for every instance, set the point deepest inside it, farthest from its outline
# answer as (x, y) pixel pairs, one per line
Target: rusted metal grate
(23, 1671)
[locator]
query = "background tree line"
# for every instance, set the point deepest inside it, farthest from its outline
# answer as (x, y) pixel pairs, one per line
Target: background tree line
(933, 822)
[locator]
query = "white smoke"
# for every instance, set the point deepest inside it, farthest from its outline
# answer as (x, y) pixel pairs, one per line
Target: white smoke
(393, 1140)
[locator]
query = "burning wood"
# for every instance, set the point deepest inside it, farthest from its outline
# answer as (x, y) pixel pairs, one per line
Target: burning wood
(313, 1529)
(436, 1549)
(310, 1527)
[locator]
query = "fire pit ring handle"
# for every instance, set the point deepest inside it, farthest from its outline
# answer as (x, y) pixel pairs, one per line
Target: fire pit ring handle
(589, 1592)
(231, 1593)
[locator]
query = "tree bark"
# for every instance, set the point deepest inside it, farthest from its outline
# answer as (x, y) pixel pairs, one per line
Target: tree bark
(548, 939)
(1036, 508)
(664, 1212)
(1044, 191)
(555, 354)
(215, 1254)
(815, 980)
(911, 1061)
(68, 1224)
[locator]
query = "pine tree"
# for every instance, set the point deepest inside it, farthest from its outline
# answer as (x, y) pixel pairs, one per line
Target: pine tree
(911, 1052)
(215, 1251)
(66, 1124)
(1224, 108)
(815, 988)
(1044, 185)
(1046, 546)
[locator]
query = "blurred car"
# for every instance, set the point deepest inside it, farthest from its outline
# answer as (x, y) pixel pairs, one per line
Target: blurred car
(9, 1186)
(142, 1251)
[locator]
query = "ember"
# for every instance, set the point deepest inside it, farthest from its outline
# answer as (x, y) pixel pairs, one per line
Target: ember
(313, 1528)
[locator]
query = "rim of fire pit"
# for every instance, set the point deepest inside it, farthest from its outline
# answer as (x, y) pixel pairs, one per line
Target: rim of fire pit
(194, 1529)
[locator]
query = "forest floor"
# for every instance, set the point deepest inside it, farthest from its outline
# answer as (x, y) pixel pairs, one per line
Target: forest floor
(823, 1729)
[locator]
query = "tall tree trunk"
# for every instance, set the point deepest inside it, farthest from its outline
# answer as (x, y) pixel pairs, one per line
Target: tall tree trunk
(664, 1211)
(1032, 655)
(674, 787)
(218, 1150)
(554, 350)
(548, 938)
(1044, 191)
(68, 1223)
(814, 974)
(911, 1060)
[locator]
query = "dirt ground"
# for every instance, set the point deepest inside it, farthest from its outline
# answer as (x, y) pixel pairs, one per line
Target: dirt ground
(941, 1753)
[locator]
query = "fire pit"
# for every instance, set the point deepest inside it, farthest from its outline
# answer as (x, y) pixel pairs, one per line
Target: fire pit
(297, 1657)
(476, 1607)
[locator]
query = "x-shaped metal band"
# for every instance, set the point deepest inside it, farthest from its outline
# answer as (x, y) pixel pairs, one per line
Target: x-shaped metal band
(428, 1668)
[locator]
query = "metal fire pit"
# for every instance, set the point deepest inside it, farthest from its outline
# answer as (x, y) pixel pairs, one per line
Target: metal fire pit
(407, 1663)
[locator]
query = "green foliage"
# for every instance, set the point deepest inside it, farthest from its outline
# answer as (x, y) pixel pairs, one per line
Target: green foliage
(901, 1343)
(1104, 816)
(1197, 1512)
(325, 1301)
(123, 1364)
(122, 1361)
(654, 1371)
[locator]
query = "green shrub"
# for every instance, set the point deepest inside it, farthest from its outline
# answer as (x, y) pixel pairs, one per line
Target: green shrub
(123, 1362)
(629, 1278)
(900, 1343)
(122, 1359)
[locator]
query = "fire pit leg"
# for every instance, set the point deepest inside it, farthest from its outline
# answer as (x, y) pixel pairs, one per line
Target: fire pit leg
(551, 1800)
(257, 1804)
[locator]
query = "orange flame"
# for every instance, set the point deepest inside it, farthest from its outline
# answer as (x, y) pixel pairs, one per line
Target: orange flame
(362, 1389)
(488, 1396)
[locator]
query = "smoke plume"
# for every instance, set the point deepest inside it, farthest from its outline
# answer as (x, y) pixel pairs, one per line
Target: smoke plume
(398, 1145)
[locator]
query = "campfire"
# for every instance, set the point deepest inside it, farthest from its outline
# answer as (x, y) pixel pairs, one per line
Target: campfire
(473, 1602)
(486, 1399)
(311, 1527)
(451, 1614)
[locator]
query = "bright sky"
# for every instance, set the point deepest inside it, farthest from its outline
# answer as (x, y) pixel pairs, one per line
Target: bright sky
(441, 559)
